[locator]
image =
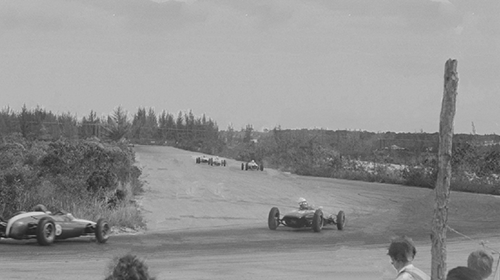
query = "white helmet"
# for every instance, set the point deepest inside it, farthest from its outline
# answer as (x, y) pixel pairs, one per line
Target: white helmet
(301, 200)
(302, 203)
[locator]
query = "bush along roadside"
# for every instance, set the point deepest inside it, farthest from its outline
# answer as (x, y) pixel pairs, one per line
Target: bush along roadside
(88, 178)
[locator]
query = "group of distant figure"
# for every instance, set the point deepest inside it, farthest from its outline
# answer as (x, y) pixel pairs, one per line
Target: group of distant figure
(402, 251)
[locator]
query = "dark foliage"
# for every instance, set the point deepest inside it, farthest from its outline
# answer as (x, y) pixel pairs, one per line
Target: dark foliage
(401, 158)
(75, 169)
(129, 267)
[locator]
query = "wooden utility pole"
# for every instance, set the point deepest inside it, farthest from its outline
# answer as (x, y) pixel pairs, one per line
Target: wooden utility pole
(442, 189)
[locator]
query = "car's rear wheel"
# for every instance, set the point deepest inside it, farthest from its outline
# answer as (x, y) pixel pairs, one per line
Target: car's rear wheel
(46, 231)
(261, 167)
(198, 160)
(340, 220)
(246, 166)
(102, 231)
(317, 222)
(274, 217)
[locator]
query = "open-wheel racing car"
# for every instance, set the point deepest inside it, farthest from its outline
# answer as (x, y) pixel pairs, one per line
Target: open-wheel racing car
(314, 218)
(47, 227)
(217, 161)
(203, 159)
(252, 165)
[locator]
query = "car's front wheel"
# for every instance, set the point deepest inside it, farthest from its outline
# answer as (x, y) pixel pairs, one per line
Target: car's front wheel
(46, 231)
(102, 231)
(317, 222)
(340, 220)
(274, 217)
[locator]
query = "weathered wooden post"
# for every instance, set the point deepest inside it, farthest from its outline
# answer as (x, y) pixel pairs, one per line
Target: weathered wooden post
(442, 189)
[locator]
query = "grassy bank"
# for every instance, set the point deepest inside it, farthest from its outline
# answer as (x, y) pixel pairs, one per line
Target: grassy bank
(88, 178)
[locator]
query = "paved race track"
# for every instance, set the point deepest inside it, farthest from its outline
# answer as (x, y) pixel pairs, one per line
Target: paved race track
(209, 222)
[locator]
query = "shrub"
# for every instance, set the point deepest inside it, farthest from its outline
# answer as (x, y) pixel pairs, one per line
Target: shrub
(419, 176)
(75, 176)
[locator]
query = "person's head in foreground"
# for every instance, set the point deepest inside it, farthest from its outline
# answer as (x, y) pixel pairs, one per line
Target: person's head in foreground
(482, 262)
(463, 273)
(128, 267)
(402, 251)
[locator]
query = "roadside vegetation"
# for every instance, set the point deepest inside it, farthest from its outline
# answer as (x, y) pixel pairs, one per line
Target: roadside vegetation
(87, 178)
(87, 166)
(90, 177)
(397, 158)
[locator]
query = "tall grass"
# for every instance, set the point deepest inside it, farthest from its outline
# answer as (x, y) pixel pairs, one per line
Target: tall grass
(90, 180)
(124, 214)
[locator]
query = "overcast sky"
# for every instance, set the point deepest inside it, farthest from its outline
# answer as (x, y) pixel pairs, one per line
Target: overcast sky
(374, 65)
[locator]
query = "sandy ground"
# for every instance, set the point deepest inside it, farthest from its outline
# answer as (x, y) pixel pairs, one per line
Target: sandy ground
(208, 222)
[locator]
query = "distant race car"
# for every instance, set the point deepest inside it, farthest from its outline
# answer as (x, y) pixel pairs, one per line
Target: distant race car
(252, 165)
(47, 227)
(314, 218)
(203, 159)
(217, 161)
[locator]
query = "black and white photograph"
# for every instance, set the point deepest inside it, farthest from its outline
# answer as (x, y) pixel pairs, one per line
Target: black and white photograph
(250, 139)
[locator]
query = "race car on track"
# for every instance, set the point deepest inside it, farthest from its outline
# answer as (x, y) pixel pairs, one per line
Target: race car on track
(203, 159)
(302, 218)
(252, 165)
(47, 227)
(217, 161)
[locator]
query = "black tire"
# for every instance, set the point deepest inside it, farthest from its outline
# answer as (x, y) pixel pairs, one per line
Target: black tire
(317, 222)
(224, 163)
(340, 220)
(198, 160)
(246, 166)
(261, 167)
(242, 166)
(210, 162)
(46, 231)
(273, 219)
(102, 230)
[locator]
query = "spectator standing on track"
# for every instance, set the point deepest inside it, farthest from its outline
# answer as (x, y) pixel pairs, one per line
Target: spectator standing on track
(482, 262)
(402, 251)
(463, 273)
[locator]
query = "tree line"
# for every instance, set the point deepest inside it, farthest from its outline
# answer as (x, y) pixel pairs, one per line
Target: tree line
(315, 152)
(144, 127)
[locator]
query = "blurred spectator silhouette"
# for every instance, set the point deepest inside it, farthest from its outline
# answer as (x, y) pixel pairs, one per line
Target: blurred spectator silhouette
(463, 273)
(128, 267)
(482, 262)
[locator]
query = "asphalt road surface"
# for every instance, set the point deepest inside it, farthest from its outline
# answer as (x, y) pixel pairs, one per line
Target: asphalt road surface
(207, 222)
